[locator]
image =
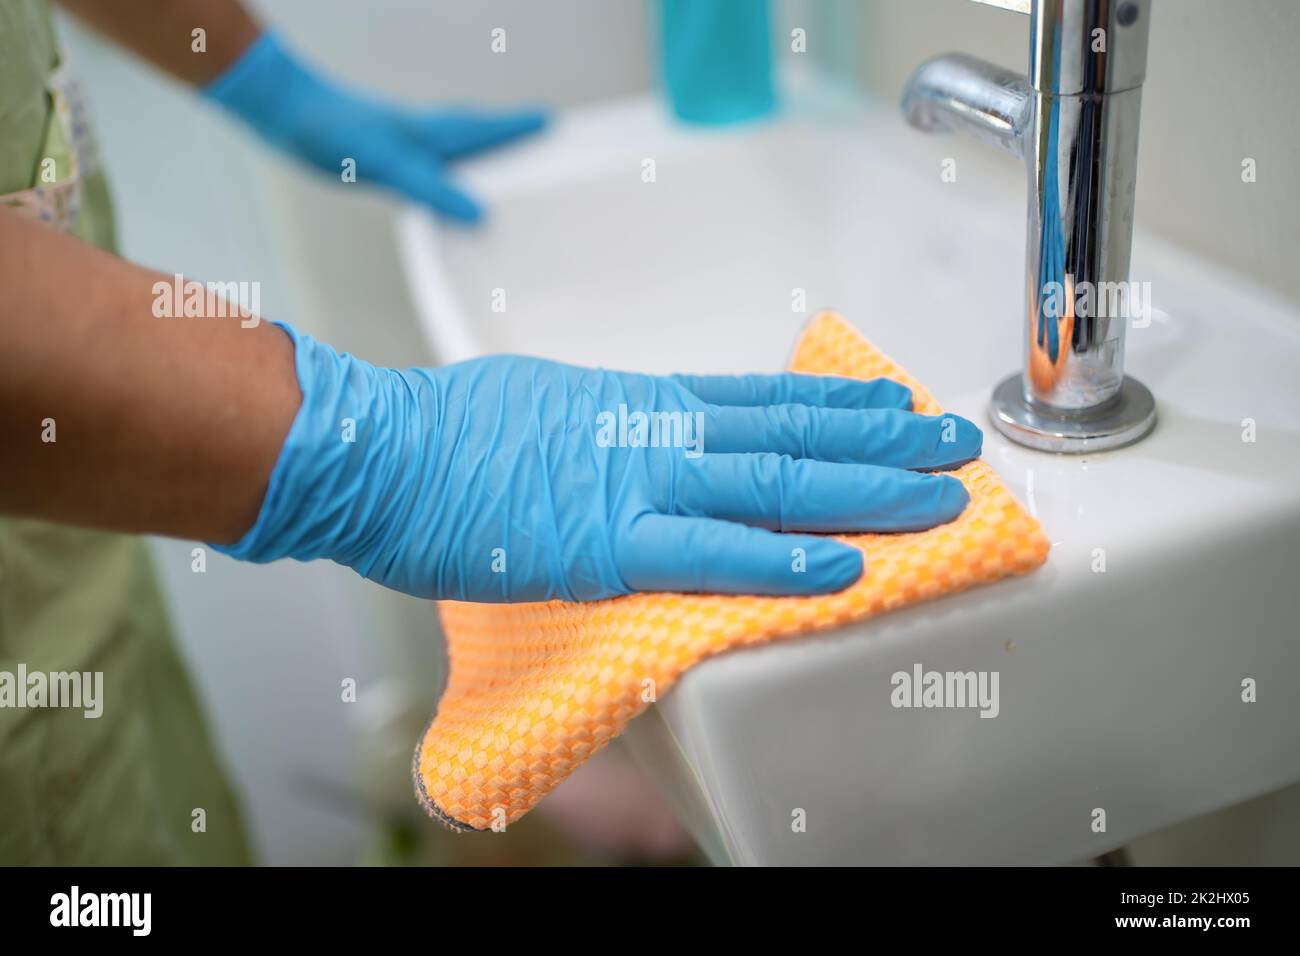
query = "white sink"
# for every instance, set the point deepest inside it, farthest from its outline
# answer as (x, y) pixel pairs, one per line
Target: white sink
(1119, 690)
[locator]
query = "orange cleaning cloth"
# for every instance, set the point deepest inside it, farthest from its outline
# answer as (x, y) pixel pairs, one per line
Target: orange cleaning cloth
(536, 689)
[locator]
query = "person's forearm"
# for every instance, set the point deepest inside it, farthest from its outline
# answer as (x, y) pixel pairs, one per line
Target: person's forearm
(162, 32)
(114, 418)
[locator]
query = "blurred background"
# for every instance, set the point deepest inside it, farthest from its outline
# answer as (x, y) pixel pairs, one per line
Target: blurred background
(324, 782)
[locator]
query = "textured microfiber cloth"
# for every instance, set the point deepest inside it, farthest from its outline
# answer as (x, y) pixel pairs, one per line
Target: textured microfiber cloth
(536, 689)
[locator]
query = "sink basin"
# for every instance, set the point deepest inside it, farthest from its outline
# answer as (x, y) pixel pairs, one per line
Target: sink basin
(1171, 577)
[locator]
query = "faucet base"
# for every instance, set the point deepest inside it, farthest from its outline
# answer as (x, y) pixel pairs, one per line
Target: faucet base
(1129, 418)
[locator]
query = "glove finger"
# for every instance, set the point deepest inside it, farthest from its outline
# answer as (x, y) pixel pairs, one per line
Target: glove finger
(457, 135)
(669, 553)
(423, 180)
(792, 494)
(790, 388)
(877, 436)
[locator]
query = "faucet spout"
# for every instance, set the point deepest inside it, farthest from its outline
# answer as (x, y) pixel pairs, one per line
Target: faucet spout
(960, 93)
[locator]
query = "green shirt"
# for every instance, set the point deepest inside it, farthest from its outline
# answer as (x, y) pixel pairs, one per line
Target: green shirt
(139, 784)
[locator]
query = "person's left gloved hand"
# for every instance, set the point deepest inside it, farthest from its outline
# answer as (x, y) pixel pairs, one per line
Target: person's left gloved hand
(403, 149)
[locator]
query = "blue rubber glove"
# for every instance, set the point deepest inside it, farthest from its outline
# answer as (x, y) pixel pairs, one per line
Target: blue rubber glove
(403, 149)
(517, 479)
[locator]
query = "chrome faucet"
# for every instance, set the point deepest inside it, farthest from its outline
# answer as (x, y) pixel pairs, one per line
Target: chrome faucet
(1074, 122)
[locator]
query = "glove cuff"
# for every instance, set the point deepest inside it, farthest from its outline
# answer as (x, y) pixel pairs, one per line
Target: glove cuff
(264, 87)
(311, 499)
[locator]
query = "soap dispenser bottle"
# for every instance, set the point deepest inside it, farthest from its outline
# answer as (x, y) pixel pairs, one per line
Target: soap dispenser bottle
(717, 59)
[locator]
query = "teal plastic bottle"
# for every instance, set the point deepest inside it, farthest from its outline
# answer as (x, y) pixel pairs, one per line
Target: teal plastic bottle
(717, 59)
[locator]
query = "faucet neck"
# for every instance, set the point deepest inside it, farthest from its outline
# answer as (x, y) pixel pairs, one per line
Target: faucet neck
(1088, 46)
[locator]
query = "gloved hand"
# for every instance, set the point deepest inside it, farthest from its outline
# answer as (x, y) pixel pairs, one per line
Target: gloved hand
(517, 479)
(404, 149)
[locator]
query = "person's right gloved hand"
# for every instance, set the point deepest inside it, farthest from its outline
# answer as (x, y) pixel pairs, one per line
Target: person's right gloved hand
(517, 479)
